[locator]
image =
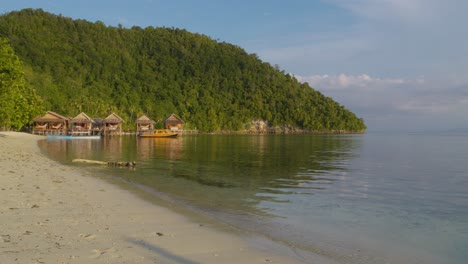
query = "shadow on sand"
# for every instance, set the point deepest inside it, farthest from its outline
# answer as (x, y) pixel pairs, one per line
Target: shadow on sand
(161, 252)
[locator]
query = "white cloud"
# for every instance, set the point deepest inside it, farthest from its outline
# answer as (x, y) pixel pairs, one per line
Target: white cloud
(421, 42)
(385, 102)
(343, 81)
(389, 61)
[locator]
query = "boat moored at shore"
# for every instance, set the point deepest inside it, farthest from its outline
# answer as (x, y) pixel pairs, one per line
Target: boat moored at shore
(158, 133)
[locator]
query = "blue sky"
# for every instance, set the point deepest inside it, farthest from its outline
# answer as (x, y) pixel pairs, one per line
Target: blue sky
(402, 65)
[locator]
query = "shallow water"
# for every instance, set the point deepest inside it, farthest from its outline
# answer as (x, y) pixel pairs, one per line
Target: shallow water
(373, 198)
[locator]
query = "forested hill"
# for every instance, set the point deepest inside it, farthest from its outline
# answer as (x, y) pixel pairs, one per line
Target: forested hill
(76, 65)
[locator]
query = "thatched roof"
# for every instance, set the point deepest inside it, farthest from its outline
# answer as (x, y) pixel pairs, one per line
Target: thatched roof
(144, 120)
(113, 119)
(51, 117)
(173, 119)
(98, 121)
(82, 118)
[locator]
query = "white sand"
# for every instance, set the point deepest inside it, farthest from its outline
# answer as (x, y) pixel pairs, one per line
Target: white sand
(52, 213)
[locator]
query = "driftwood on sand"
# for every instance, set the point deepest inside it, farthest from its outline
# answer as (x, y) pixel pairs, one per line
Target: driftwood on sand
(129, 164)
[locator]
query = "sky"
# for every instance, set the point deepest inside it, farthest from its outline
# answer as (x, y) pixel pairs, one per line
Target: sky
(401, 65)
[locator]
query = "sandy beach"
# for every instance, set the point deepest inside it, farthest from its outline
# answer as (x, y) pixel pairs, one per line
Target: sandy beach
(52, 213)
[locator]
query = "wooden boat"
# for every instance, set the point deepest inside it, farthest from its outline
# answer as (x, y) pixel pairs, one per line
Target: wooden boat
(54, 136)
(158, 133)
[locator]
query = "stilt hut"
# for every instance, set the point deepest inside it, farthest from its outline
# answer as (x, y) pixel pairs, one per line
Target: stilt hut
(173, 122)
(144, 124)
(113, 125)
(51, 123)
(81, 124)
(98, 126)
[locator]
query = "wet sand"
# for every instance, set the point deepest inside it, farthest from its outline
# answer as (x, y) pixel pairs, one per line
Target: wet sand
(52, 213)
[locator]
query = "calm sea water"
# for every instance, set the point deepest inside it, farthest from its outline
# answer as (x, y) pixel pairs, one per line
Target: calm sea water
(372, 198)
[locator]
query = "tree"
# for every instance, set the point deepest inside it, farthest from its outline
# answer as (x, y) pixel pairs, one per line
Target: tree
(18, 101)
(76, 65)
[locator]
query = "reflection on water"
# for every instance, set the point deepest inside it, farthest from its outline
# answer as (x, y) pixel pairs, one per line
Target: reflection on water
(373, 197)
(236, 172)
(231, 172)
(238, 179)
(63, 150)
(169, 148)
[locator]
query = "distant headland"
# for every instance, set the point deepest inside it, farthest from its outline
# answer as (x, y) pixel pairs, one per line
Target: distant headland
(72, 66)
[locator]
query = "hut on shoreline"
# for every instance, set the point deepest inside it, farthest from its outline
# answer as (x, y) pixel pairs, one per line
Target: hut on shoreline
(51, 123)
(144, 124)
(98, 126)
(112, 125)
(173, 122)
(81, 124)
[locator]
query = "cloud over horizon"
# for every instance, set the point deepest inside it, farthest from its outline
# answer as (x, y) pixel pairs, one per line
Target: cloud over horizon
(396, 63)
(386, 102)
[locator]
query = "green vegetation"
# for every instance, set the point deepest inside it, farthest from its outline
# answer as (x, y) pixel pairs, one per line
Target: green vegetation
(19, 103)
(76, 65)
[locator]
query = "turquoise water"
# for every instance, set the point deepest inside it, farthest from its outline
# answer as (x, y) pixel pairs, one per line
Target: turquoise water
(372, 198)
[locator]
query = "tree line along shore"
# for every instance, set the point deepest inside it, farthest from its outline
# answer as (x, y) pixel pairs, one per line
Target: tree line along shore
(71, 66)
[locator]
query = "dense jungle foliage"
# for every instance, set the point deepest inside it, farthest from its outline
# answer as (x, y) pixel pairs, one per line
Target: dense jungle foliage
(18, 100)
(76, 65)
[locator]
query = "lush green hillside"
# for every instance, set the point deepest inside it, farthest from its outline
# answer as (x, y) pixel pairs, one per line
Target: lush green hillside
(18, 100)
(76, 65)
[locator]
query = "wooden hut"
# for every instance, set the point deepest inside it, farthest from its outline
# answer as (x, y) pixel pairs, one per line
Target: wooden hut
(144, 124)
(51, 123)
(98, 126)
(173, 122)
(81, 124)
(112, 124)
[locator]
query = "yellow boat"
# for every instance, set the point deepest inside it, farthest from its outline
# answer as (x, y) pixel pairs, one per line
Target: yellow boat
(158, 133)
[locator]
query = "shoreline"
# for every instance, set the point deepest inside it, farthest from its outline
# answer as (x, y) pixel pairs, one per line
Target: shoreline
(53, 213)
